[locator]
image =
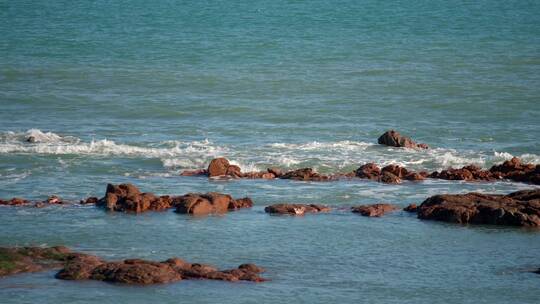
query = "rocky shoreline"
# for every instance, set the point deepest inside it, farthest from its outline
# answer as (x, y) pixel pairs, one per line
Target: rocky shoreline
(80, 266)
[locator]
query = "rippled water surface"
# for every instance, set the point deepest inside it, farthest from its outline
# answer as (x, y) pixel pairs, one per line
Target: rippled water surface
(139, 91)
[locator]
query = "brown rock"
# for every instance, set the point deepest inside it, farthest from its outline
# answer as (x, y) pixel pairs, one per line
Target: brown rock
(30, 259)
(369, 171)
(521, 208)
(375, 210)
(15, 202)
(389, 178)
(212, 202)
(396, 170)
(135, 272)
(194, 172)
(296, 209)
(90, 201)
(276, 171)
(234, 171)
(218, 167)
(411, 208)
(394, 139)
(515, 170)
(128, 198)
(414, 176)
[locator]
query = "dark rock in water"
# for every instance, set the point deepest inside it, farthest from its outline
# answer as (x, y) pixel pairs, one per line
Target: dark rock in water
(369, 171)
(15, 202)
(389, 178)
(90, 201)
(375, 210)
(194, 172)
(15, 260)
(521, 208)
(415, 176)
(537, 271)
(31, 139)
(128, 198)
(209, 203)
(394, 139)
(218, 167)
(467, 173)
(277, 172)
(396, 170)
(411, 208)
(144, 272)
(515, 170)
(296, 209)
(304, 174)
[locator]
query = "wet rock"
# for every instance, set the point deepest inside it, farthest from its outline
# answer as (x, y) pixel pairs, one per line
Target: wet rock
(277, 172)
(90, 201)
(268, 175)
(144, 272)
(389, 178)
(304, 174)
(369, 171)
(394, 139)
(411, 208)
(128, 198)
(415, 176)
(209, 203)
(15, 202)
(194, 172)
(521, 208)
(218, 167)
(296, 209)
(375, 210)
(15, 260)
(467, 173)
(395, 170)
(515, 170)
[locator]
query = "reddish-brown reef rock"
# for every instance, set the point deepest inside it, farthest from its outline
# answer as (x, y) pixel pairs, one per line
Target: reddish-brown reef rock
(296, 209)
(394, 139)
(375, 210)
(209, 203)
(521, 208)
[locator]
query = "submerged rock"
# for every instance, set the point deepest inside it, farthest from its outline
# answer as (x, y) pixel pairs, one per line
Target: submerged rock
(375, 210)
(296, 209)
(15, 260)
(194, 172)
(521, 208)
(394, 139)
(411, 208)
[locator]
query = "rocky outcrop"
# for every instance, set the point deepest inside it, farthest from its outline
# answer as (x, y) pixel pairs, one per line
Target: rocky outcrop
(128, 198)
(51, 200)
(391, 174)
(515, 170)
(394, 139)
(144, 272)
(375, 210)
(218, 167)
(521, 208)
(31, 259)
(296, 209)
(209, 203)
(79, 266)
(305, 174)
(411, 208)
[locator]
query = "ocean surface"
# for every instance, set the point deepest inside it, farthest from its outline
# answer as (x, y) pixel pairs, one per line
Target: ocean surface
(138, 91)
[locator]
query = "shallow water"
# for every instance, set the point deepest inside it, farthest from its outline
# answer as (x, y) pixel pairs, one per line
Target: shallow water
(137, 92)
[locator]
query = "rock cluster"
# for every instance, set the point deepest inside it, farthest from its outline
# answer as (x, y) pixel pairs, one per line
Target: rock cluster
(51, 200)
(521, 208)
(296, 209)
(144, 272)
(512, 169)
(79, 266)
(411, 208)
(391, 174)
(394, 139)
(128, 198)
(375, 210)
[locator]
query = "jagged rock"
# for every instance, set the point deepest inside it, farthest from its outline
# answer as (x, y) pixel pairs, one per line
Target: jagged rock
(296, 209)
(515, 170)
(369, 171)
(394, 139)
(521, 208)
(389, 178)
(375, 210)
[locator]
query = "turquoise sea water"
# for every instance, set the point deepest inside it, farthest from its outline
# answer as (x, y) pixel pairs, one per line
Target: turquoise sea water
(137, 91)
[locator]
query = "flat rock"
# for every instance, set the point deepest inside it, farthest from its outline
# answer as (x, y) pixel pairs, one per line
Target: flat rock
(521, 208)
(374, 210)
(296, 209)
